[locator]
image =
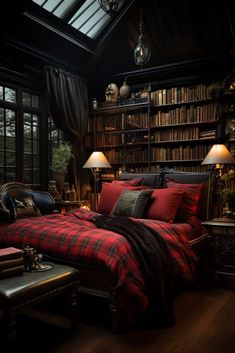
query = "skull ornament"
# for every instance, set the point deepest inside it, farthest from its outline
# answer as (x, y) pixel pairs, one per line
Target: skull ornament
(111, 93)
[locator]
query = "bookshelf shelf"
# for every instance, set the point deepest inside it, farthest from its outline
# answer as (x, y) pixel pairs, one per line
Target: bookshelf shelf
(175, 126)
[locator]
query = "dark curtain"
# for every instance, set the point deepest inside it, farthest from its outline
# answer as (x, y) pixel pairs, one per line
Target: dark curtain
(68, 102)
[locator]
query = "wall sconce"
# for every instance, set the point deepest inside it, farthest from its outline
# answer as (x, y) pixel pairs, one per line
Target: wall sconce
(109, 6)
(95, 162)
(142, 52)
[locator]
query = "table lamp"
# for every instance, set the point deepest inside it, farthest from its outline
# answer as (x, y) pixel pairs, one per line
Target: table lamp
(95, 162)
(217, 157)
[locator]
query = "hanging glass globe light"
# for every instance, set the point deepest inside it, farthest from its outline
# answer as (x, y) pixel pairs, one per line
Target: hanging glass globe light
(142, 52)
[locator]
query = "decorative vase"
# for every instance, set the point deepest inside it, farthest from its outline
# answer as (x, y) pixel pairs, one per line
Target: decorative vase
(125, 91)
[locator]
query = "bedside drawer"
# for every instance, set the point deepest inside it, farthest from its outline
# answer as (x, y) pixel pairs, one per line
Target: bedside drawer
(223, 231)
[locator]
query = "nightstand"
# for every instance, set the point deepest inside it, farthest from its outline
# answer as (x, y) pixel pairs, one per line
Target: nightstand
(221, 256)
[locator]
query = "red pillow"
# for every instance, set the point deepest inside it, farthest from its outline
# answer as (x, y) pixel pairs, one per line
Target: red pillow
(110, 193)
(132, 182)
(163, 204)
(189, 206)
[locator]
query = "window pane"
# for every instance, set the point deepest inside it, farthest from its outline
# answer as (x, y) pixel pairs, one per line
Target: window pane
(35, 147)
(10, 174)
(35, 120)
(35, 101)
(10, 122)
(10, 144)
(28, 176)
(2, 128)
(27, 161)
(36, 162)
(10, 159)
(35, 132)
(2, 176)
(10, 95)
(27, 118)
(1, 158)
(27, 145)
(1, 92)
(27, 131)
(26, 99)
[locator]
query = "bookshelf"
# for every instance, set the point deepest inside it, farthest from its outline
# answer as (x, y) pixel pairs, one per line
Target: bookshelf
(173, 127)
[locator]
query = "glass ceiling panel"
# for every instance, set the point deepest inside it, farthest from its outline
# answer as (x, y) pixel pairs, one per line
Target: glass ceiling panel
(90, 19)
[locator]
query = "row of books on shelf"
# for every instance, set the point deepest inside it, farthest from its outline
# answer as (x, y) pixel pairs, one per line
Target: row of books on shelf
(11, 262)
(167, 135)
(180, 94)
(181, 134)
(184, 115)
(179, 153)
(123, 139)
(119, 156)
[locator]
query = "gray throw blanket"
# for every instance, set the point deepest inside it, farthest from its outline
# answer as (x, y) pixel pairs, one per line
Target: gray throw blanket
(151, 252)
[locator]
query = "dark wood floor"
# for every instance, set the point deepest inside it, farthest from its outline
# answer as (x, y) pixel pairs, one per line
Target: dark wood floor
(205, 323)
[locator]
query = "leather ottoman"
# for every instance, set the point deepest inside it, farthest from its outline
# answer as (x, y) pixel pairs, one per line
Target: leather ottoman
(32, 287)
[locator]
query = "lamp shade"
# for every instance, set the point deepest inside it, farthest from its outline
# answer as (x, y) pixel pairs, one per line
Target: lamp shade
(218, 154)
(97, 160)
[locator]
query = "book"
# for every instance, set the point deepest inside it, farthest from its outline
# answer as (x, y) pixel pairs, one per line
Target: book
(11, 263)
(10, 253)
(10, 272)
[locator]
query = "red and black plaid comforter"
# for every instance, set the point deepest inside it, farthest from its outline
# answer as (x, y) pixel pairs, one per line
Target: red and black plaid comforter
(75, 238)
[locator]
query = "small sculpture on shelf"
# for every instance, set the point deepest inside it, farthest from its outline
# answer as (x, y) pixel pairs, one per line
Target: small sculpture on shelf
(111, 93)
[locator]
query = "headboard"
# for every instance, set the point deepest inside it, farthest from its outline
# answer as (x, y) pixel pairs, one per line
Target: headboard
(155, 180)
(152, 180)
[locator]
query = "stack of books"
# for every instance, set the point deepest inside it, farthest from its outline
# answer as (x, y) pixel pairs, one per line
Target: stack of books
(11, 262)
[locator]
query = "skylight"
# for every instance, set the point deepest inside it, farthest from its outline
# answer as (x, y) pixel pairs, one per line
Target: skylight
(87, 18)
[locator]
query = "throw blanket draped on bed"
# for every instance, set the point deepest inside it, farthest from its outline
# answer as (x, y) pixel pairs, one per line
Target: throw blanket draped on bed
(152, 253)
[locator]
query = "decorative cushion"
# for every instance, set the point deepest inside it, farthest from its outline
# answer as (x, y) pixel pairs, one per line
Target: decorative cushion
(131, 182)
(131, 203)
(189, 205)
(110, 193)
(25, 207)
(163, 204)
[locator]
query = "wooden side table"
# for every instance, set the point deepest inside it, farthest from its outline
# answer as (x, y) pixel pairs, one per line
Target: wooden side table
(221, 257)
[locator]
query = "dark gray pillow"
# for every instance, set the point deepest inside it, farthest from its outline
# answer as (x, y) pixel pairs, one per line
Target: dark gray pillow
(131, 203)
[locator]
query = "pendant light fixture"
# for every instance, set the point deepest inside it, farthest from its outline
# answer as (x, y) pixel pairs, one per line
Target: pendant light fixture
(142, 52)
(109, 6)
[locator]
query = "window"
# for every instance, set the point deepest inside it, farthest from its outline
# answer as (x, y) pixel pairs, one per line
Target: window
(20, 115)
(7, 134)
(86, 16)
(27, 137)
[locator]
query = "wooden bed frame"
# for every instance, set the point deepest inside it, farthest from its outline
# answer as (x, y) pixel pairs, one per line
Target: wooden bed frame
(98, 281)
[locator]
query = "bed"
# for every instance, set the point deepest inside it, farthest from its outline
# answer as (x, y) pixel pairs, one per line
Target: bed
(110, 264)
